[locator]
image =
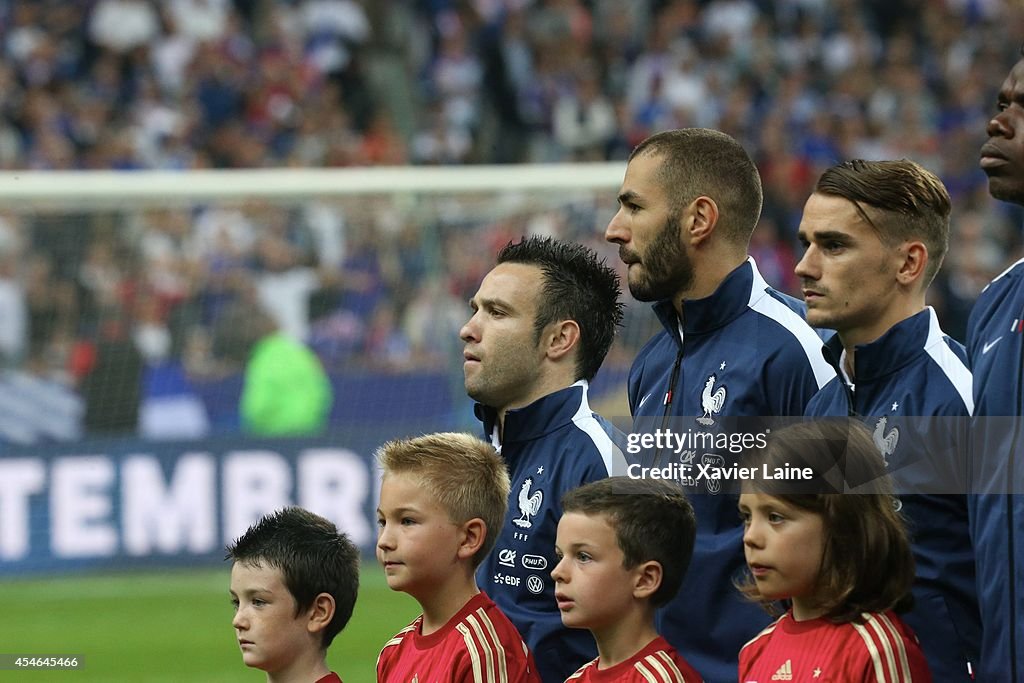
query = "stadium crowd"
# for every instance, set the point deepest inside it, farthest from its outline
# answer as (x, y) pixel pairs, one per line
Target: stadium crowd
(93, 302)
(137, 84)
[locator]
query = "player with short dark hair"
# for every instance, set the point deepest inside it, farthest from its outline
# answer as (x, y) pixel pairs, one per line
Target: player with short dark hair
(995, 346)
(294, 584)
(731, 347)
(543, 320)
(576, 286)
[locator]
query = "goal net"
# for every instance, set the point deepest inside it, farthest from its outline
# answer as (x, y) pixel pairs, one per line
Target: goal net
(143, 292)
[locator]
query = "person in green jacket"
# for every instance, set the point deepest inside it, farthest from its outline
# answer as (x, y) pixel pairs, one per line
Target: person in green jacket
(286, 391)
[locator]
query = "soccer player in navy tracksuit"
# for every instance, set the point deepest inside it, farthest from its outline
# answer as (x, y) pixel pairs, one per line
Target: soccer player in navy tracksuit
(995, 347)
(543, 320)
(732, 347)
(875, 234)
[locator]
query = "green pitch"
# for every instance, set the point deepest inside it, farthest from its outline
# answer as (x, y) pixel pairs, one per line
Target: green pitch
(169, 626)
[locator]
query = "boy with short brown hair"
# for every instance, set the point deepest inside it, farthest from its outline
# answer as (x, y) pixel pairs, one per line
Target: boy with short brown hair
(624, 545)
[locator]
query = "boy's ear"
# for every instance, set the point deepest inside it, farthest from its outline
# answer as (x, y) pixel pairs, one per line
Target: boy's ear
(646, 579)
(471, 537)
(321, 613)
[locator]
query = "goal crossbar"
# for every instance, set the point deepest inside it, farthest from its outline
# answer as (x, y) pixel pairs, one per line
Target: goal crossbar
(98, 189)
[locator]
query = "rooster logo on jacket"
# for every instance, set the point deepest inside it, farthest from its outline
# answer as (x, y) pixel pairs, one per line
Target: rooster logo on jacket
(885, 442)
(529, 505)
(711, 400)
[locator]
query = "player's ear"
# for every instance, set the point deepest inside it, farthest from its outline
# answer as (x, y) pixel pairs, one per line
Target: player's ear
(646, 579)
(562, 337)
(471, 537)
(915, 261)
(702, 216)
(321, 613)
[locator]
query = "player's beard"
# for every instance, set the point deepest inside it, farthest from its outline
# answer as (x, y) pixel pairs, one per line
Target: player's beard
(665, 268)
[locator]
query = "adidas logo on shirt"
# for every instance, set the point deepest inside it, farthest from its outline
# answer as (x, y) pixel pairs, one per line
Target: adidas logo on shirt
(785, 672)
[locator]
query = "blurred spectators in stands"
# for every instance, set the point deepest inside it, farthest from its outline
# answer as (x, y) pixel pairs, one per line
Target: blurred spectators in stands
(38, 406)
(184, 84)
(13, 305)
(141, 84)
(109, 368)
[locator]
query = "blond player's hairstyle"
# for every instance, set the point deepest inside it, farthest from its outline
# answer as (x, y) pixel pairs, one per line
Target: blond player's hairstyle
(465, 475)
(904, 201)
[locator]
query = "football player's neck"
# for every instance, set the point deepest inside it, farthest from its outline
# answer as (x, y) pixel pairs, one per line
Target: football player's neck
(848, 366)
(865, 334)
(708, 276)
(446, 599)
(557, 377)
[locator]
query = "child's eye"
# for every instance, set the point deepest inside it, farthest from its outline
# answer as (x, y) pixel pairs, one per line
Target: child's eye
(380, 522)
(583, 557)
(234, 603)
(406, 521)
(745, 517)
(775, 518)
(256, 602)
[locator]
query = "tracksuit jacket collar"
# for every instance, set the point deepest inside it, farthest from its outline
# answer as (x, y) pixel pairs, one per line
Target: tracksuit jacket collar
(537, 419)
(898, 347)
(732, 297)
